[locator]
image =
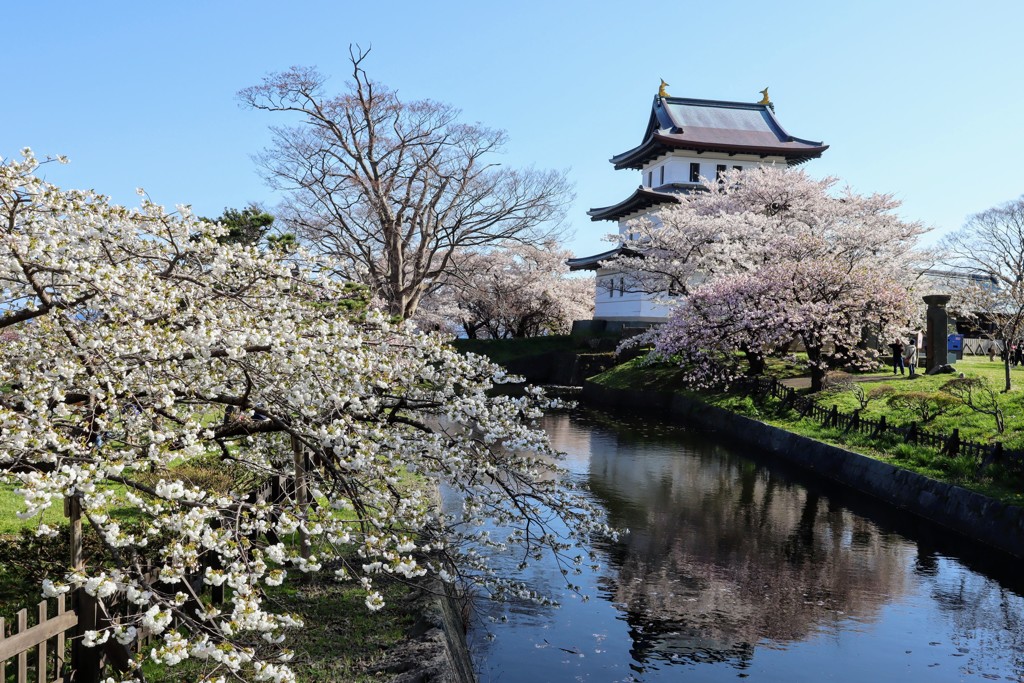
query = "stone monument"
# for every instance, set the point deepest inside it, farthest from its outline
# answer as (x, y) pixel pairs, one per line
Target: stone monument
(935, 335)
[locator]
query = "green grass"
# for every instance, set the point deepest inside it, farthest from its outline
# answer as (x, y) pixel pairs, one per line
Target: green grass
(961, 471)
(636, 374)
(341, 640)
(973, 426)
(12, 503)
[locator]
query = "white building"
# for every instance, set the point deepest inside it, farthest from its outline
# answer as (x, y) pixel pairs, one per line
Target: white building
(685, 140)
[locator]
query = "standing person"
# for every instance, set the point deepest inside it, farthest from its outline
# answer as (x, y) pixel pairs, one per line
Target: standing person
(910, 355)
(991, 352)
(897, 356)
(1018, 354)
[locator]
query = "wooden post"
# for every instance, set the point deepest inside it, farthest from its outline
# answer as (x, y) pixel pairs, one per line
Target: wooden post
(299, 457)
(22, 617)
(881, 427)
(41, 652)
(73, 511)
(953, 445)
(61, 654)
(86, 662)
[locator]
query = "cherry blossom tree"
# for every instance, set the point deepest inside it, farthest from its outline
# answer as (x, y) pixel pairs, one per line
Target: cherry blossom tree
(135, 340)
(770, 255)
(394, 190)
(726, 315)
(519, 291)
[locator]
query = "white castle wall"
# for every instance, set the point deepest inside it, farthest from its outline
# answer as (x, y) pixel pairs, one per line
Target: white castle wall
(613, 304)
(677, 166)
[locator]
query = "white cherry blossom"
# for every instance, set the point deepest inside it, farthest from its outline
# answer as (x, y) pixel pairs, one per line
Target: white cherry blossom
(134, 341)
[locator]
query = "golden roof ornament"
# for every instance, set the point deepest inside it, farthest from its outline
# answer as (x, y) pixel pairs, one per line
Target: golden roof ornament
(765, 100)
(661, 91)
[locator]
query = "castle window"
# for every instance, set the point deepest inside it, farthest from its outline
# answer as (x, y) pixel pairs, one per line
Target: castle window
(695, 173)
(737, 168)
(720, 171)
(650, 179)
(661, 175)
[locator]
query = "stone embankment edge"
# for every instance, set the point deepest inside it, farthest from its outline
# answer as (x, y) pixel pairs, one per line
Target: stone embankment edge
(435, 650)
(965, 512)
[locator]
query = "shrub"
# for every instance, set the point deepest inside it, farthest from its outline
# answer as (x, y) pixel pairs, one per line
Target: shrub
(926, 406)
(977, 394)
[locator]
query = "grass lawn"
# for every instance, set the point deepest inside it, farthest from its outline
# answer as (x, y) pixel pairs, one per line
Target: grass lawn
(12, 503)
(341, 639)
(973, 426)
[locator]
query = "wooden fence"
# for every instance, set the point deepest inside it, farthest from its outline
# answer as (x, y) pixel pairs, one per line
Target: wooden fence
(948, 444)
(980, 347)
(46, 637)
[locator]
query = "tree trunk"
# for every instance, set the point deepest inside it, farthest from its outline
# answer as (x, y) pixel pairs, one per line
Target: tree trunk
(817, 370)
(817, 379)
(755, 362)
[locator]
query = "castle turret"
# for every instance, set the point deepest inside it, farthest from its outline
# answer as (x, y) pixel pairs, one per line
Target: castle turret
(686, 140)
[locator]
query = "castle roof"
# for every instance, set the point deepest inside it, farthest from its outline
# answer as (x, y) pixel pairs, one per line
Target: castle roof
(716, 126)
(594, 262)
(643, 198)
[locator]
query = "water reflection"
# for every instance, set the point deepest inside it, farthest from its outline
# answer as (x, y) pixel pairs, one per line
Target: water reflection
(732, 568)
(724, 554)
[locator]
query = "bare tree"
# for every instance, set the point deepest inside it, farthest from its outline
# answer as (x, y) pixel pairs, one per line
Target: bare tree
(989, 248)
(395, 189)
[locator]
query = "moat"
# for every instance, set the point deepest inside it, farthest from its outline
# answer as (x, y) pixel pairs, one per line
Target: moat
(735, 567)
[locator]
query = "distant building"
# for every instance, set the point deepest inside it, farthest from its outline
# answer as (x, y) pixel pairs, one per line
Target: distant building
(951, 281)
(685, 140)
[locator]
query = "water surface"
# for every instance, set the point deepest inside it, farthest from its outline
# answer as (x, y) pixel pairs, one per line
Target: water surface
(736, 568)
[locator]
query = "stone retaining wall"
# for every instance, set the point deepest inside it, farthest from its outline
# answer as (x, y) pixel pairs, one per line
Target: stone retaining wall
(436, 650)
(965, 512)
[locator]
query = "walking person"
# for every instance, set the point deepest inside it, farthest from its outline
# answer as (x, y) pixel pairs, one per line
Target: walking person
(910, 356)
(897, 356)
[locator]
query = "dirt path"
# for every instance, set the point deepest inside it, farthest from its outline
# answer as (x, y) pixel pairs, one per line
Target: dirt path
(805, 382)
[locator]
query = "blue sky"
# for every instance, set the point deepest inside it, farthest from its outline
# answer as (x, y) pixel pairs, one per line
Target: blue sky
(920, 99)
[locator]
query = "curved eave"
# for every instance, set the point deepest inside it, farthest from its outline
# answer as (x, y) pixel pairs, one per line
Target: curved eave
(594, 262)
(640, 200)
(795, 152)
